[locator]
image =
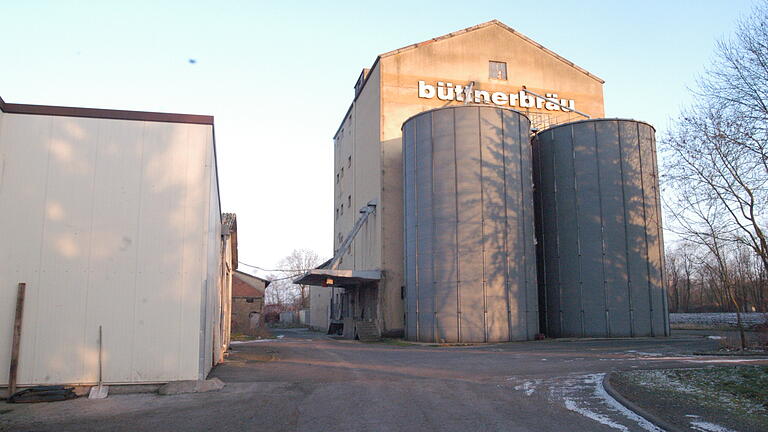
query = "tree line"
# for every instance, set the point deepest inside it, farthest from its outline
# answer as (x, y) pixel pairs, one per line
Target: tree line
(695, 280)
(715, 180)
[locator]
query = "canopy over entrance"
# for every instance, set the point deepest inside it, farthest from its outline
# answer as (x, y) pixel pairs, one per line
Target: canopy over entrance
(338, 278)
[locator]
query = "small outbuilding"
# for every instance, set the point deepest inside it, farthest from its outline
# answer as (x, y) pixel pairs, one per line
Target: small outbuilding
(112, 219)
(247, 302)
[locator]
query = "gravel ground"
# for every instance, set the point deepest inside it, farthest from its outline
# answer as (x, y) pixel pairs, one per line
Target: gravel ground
(710, 399)
(303, 381)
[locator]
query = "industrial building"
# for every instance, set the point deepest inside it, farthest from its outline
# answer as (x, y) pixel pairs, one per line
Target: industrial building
(438, 217)
(112, 220)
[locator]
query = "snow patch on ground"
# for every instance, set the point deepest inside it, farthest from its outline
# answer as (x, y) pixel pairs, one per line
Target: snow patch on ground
(664, 380)
(571, 405)
(729, 319)
(586, 395)
(671, 382)
(616, 405)
(528, 387)
(709, 427)
(646, 354)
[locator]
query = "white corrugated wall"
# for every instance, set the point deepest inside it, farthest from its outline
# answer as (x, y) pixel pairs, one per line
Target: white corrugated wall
(112, 223)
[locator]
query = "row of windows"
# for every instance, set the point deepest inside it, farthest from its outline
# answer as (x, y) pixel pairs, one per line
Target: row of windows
(340, 210)
(341, 240)
(340, 174)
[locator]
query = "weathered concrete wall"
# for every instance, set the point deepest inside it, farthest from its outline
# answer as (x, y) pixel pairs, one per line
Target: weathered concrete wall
(319, 307)
(242, 313)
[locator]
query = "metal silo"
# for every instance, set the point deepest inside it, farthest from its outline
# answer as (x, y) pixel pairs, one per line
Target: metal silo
(469, 226)
(598, 218)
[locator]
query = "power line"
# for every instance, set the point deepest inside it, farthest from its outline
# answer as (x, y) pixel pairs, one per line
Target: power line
(275, 270)
(282, 278)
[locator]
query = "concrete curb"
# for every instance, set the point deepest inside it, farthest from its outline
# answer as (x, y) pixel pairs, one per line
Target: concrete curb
(191, 386)
(663, 424)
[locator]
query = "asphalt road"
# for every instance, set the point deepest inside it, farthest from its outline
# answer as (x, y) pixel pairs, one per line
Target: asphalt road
(305, 381)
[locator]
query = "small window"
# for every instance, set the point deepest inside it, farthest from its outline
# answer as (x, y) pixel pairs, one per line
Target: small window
(337, 213)
(497, 70)
(349, 161)
(249, 300)
(341, 212)
(337, 178)
(349, 201)
(342, 172)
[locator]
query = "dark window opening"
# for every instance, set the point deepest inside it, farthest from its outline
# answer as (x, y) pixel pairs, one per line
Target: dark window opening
(497, 70)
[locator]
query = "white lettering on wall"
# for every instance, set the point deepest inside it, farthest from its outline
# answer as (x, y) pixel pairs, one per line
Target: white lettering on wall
(449, 92)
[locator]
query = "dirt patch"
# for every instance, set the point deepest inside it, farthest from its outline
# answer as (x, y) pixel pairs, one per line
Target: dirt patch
(732, 397)
(257, 333)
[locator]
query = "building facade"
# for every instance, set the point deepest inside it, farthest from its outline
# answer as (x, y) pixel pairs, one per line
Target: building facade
(113, 220)
(488, 64)
(247, 302)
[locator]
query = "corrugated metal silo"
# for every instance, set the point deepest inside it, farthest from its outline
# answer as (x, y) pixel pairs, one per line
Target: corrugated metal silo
(598, 219)
(469, 228)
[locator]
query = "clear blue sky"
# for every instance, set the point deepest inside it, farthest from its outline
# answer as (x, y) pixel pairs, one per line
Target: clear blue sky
(264, 67)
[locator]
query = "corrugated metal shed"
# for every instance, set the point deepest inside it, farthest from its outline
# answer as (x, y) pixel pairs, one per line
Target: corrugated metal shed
(112, 219)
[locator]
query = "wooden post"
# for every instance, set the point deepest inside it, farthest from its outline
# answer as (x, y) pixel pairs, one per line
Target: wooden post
(16, 340)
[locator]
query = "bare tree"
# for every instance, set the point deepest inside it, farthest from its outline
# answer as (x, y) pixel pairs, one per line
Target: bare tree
(718, 151)
(716, 157)
(296, 264)
(282, 290)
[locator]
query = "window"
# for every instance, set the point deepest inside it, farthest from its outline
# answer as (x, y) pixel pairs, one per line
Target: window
(337, 213)
(349, 161)
(342, 172)
(249, 300)
(349, 201)
(497, 70)
(337, 178)
(341, 212)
